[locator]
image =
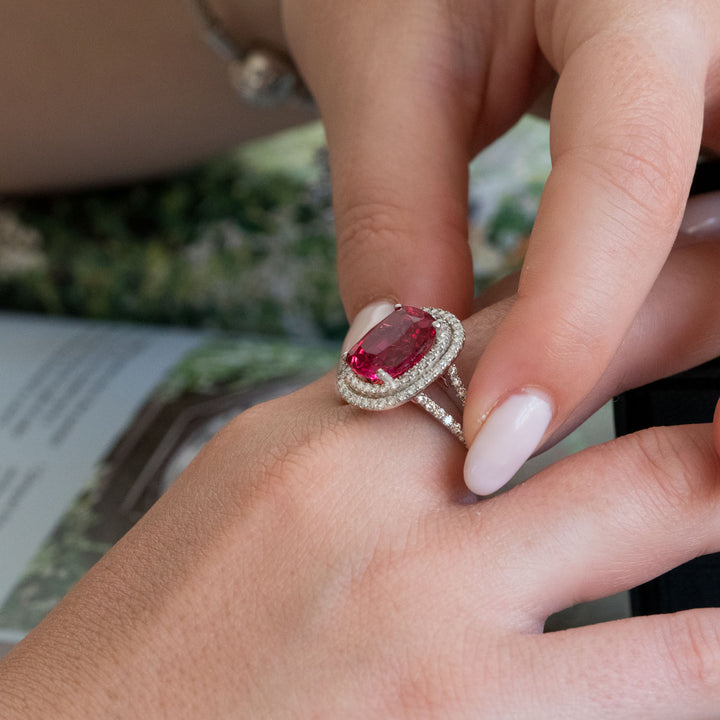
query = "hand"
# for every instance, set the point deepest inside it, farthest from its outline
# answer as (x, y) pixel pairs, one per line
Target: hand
(318, 561)
(410, 91)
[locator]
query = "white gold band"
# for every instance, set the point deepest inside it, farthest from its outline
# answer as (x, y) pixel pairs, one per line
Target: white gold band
(437, 411)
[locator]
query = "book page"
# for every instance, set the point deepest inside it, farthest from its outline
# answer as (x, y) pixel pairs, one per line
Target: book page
(67, 389)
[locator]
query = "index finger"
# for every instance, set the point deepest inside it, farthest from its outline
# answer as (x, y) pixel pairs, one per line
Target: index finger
(625, 133)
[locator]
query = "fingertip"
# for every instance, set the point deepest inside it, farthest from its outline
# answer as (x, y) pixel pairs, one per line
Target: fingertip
(366, 319)
(507, 438)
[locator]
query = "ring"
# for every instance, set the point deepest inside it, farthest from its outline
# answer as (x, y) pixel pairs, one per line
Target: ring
(400, 357)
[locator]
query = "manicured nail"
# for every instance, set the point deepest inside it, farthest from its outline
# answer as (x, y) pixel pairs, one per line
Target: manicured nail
(702, 216)
(367, 318)
(506, 440)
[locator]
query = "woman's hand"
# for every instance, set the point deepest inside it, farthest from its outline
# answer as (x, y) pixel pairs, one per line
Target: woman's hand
(410, 90)
(319, 561)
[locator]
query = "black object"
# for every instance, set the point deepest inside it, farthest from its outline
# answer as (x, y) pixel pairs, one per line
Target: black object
(688, 397)
(707, 177)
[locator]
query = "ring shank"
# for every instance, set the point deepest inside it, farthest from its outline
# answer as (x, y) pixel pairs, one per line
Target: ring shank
(451, 382)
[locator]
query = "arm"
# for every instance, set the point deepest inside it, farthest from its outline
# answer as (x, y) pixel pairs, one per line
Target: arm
(106, 92)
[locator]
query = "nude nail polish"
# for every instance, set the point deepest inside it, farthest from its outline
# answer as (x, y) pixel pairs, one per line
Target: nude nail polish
(367, 318)
(702, 217)
(509, 436)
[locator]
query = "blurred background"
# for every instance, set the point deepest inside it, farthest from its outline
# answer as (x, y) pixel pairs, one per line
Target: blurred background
(243, 243)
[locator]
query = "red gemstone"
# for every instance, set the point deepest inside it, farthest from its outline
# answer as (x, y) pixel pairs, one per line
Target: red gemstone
(394, 345)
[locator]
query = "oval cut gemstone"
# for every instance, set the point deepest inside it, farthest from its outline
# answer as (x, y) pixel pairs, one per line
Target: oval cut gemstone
(394, 345)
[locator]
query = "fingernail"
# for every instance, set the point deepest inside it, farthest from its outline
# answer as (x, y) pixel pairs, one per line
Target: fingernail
(367, 318)
(506, 440)
(702, 216)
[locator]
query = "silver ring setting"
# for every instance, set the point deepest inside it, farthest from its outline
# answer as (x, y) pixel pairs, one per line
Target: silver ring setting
(399, 358)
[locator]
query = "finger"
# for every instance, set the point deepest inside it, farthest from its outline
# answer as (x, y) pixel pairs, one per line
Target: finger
(673, 330)
(701, 221)
(504, 288)
(625, 130)
(398, 125)
(664, 667)
(603, 520)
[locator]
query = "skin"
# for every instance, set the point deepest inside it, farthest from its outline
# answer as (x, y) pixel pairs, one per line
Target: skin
(416, 88)
(97, 94)
(292, 573)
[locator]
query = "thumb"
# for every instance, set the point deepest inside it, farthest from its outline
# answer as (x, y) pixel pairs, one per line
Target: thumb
(624, 144)
(398, 134)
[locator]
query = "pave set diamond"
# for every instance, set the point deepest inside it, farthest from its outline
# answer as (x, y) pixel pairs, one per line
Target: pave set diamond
(400, 357)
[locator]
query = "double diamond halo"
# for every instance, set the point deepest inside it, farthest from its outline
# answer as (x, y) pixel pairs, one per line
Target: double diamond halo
(399, 358)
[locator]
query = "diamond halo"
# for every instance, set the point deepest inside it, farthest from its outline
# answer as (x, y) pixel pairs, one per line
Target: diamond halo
(436, 364)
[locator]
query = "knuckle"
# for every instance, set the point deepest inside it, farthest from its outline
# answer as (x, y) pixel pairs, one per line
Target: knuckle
(647, 167)
(692, 642)
(278, 449)
(676, 469)
(301, 447)
(577, 339)
(577, 332)
(370, 226)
